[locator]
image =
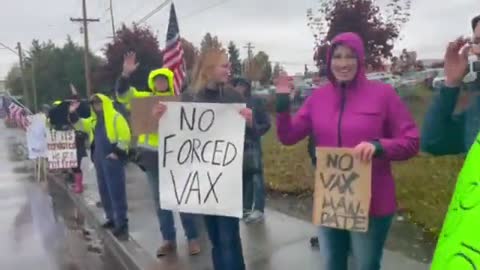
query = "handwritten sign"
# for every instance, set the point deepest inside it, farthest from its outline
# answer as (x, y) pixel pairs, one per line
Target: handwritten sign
(342, 190)
(200, 158)
(62, 151)
(458, 246)
(37, 136)
(141, 114)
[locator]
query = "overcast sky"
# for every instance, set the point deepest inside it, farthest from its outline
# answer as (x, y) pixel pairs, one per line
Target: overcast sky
(275, 26)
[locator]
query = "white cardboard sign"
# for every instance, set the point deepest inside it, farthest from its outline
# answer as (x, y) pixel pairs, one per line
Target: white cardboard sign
(201, 158)
(37, 136)
(62, 151)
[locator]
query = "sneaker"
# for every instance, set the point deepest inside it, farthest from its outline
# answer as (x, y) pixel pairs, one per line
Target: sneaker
(246, 213)
(108, 225)
(121, 233)
(194, 247)
(167, 248)
(254, 217)
(314, 242)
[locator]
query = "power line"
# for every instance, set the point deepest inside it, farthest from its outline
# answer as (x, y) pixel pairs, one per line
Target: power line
(132, 13)
(8, 48)
(135, 11)
(154, 11)
(193, 14)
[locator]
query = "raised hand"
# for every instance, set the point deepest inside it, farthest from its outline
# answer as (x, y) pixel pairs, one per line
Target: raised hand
(73, 106)
(129, 64)
(456, 62)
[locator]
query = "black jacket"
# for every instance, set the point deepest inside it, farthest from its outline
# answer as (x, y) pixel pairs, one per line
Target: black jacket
(58, 115)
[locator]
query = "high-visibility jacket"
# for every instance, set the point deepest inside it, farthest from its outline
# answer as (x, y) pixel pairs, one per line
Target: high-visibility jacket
(148, 141)
(116, 126)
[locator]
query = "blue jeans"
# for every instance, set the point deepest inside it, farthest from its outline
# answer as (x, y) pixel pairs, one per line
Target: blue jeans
(165, 217)
(254, 192)
(224, 234)
(366, 248)
(112, 189)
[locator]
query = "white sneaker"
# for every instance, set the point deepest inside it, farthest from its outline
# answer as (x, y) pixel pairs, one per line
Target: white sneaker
(246, 214)
(255, 217)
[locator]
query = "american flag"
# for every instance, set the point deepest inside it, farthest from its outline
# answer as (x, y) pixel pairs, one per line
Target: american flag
(24, 122)
(19, 115)
(14, 111)
(173, 53)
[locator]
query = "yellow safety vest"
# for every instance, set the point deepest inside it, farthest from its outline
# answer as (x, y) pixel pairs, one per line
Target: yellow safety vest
(149, 141)
(116, 126)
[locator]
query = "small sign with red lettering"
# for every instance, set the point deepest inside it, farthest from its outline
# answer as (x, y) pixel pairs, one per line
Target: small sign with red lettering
(62, 151)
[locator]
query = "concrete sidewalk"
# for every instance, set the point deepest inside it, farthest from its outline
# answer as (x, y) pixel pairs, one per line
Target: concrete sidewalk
(280, 243)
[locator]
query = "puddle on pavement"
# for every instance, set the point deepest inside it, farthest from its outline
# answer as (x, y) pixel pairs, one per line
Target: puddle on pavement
(86, 250)
(68, 242)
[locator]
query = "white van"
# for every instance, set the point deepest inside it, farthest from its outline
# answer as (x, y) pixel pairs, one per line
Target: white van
(385, 77)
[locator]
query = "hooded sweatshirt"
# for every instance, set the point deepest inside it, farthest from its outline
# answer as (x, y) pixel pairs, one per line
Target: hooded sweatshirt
(147, 143)
(109, 132)
(344, 115)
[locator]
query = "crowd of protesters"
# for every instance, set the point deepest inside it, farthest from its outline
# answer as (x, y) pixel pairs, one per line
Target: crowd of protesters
(349, 111)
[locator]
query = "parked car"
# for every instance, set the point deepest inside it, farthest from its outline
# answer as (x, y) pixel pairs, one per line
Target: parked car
(439, 79)
(261, 92)
(306, 92)
(385, 77)
(428, 75)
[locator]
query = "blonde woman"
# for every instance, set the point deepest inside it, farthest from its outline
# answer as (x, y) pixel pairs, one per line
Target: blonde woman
(212, 73)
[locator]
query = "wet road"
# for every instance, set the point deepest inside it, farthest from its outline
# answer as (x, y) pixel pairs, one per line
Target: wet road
(39, 227)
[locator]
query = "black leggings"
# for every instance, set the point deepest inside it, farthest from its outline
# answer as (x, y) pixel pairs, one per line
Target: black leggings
(78, 169)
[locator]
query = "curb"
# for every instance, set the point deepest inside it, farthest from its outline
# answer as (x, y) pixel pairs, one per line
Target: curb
(129, 254)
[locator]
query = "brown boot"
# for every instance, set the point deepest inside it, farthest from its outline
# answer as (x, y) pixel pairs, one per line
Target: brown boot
(167, 248)
(194, 247)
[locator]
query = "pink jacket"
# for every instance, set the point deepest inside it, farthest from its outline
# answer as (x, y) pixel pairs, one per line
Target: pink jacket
(361, 111)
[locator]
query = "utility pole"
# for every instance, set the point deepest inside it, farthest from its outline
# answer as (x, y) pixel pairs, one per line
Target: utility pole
(34, 86)
(85, 22)
(24, 81)
(112, 19)
(249, 48)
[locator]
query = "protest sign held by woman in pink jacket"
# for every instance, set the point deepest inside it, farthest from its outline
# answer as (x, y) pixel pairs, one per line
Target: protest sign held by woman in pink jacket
(367, 116)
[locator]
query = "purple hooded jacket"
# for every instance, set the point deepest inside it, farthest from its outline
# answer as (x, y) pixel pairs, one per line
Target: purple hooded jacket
(360, 111)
